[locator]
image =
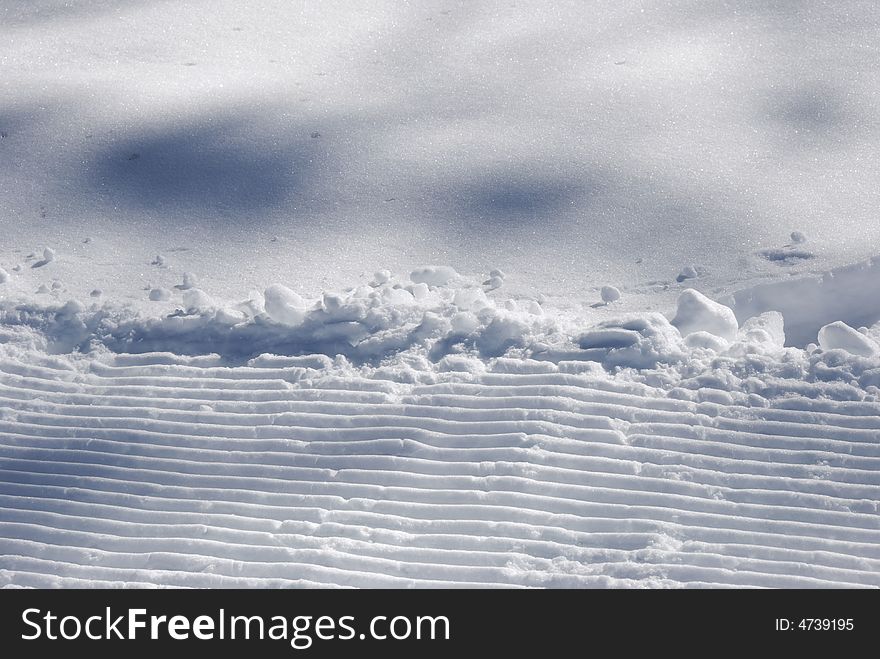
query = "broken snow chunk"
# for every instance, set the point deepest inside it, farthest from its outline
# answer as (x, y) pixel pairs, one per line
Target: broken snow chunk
(609, 294)
(840, 336)
(687, 272)
(196, 299)
(419, 291)
(698, 313)
(706, 341)
(768, 329)
(501, 334)
(470, 299)
(798, 238)
(533, 307)
(608, 338)
(464, 323)
(230, 317)
(284, 305)
(381, 277)
(433, 275)
(493, 283)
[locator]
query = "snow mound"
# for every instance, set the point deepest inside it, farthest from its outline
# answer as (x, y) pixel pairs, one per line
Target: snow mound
(767, 329)
(840, 336)
(637, 341)
(284, 305)
(372, 323)
(697, 313)
(433, 275)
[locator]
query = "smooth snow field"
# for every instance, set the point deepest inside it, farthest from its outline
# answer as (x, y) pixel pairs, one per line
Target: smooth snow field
(439, 294)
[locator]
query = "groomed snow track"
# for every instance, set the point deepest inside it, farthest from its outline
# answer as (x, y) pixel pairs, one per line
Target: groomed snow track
(159, 470)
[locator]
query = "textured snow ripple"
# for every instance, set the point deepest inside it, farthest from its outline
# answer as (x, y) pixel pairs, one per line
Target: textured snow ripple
(157, 469)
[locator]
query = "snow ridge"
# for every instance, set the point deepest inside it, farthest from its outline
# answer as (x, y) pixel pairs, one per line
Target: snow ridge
(424, 434)
(288, 471)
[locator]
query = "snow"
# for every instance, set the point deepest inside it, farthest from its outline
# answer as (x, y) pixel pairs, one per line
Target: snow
(687, 272)
(189, 281)
(159, 294)
(224, 362)
(284, 305)
(848, 294)
(458, 470)
(433, 275)
(697, 313)
(609, 294)
(840, 336)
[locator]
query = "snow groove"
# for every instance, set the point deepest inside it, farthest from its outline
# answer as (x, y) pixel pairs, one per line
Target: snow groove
(152, 469)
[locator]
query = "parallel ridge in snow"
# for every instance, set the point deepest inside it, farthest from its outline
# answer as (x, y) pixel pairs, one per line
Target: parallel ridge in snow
(160, 470)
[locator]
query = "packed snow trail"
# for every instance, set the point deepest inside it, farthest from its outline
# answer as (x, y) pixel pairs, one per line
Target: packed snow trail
(713, 462)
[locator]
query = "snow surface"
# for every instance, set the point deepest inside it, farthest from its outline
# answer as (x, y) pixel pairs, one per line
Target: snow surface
(572, 145)
(445, 294)
(373, 437)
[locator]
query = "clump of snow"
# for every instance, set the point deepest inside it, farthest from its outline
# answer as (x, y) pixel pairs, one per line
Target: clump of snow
(97, 292)
(284, 305)
(798, 238)
(472, 299)
(637, 341)
(43, 290)
(706, 341)
(840, 336)
(158, 261)
(4, 276)
(461, 364)
(189, 281)
(696, 313)
(687, 272)
(609, 294)
(158, 294)
(196, 299)
(419, 291)
(381, 277)
(493, 283)
(433, 275)
(767, 329)
(495, 280)
(464, 323)
(533, 307)
(48, 255)
(502, 333)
